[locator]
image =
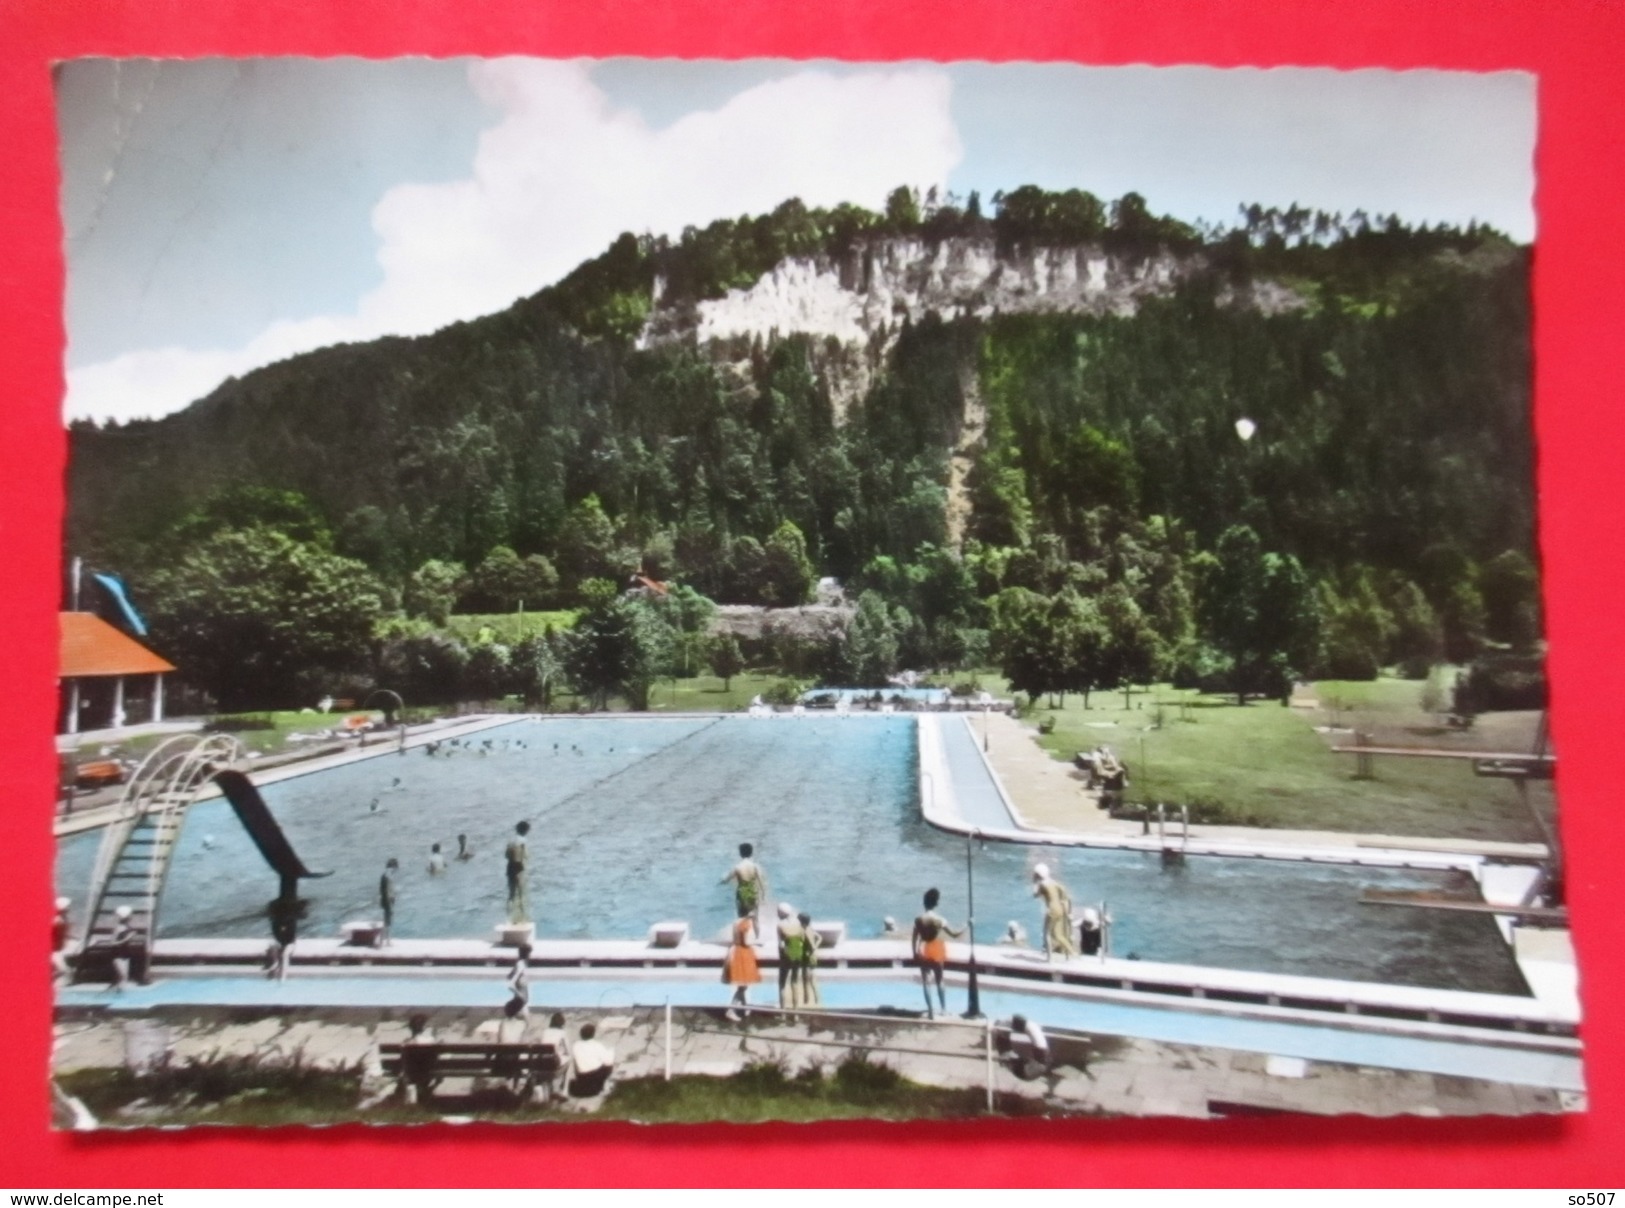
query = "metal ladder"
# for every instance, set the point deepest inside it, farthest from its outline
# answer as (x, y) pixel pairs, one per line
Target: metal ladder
(133, 858)
(1170, 853)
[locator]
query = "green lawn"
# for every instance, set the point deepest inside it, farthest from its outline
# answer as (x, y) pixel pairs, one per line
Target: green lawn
(265, 741)
(705, 693)
(290, 721)
(507, 627)
(1264, 765)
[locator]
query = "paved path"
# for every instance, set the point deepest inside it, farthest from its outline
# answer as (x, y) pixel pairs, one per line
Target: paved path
(1091, 1075)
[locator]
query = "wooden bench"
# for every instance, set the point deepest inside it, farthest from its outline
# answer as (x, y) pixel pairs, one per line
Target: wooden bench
(422, 1066)
(99, 773)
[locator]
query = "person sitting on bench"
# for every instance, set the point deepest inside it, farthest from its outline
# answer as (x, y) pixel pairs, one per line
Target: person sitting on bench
(591, 1064)
(554, 1036)
(1025, 1047)
(418, 1079)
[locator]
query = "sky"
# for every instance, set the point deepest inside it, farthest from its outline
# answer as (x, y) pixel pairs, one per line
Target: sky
(220, 215)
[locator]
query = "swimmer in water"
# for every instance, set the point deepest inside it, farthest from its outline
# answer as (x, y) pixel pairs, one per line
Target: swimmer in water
(464, 851)
(437, 862)
(208, 842)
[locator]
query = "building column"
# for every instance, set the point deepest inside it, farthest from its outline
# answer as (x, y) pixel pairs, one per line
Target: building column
(158, 697)
(73, 706)
(117, 717)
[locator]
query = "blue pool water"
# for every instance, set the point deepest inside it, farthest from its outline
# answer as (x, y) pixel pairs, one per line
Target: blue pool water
(637, 820)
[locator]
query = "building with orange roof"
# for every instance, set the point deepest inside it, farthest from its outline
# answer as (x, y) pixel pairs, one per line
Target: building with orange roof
(104, 675)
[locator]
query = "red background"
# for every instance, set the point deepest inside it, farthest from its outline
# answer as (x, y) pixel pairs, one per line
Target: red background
(1580, 287)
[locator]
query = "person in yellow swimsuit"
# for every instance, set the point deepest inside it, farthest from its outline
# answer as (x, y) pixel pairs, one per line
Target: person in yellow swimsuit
(807, 974)
(1057, 914)
(792, 942)
(931, 950)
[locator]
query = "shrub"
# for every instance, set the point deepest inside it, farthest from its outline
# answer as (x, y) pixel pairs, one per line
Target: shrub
(238, 724)
(1500, 683)
(784, 692)
(860, 1080)
(1201, 667)
(763, 1076)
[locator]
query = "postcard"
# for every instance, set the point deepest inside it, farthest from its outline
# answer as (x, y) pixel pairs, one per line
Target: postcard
(690, 591)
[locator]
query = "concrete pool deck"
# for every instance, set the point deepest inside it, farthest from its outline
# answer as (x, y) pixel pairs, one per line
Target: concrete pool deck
(1526, 1040)
(1094, 1072)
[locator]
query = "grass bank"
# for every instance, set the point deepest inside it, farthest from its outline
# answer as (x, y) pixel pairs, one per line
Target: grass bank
(1263, 764)
(509, 628)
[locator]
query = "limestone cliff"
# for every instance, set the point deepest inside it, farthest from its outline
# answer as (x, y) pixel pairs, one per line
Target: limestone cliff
(856, 303)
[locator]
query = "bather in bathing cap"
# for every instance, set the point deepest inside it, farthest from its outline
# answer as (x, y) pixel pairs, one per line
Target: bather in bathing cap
(1041, 871)
(785, 910)
(63, 903)
(122, 912)
(1091, 916)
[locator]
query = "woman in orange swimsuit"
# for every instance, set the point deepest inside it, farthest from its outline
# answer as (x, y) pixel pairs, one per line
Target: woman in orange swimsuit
(740, 970)
(931, 950)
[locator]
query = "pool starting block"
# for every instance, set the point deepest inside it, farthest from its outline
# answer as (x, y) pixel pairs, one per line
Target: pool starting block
(363, 933)
(670, 934)
(512, 935)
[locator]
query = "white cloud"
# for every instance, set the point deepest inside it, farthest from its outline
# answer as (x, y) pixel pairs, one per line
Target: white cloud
(555, 180)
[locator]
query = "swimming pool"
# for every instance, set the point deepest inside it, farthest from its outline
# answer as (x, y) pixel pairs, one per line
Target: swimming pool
(635, 820)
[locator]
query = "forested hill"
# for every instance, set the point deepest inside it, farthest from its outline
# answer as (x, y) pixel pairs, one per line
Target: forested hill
(1037, 385)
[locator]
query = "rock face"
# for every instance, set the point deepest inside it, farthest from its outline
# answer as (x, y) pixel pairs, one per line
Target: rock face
(810, 622)
(856, 304)
(877, 288)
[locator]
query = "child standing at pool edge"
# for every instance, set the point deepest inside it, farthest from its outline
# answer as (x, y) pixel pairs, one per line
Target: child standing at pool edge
(807, 974)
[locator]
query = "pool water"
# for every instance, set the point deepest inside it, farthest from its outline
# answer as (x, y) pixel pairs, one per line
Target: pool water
(637, 820)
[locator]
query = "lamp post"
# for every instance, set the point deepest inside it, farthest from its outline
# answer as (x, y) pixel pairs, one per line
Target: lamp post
(973, 1009)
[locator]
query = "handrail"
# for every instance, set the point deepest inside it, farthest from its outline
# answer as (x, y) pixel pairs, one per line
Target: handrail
(161, 788)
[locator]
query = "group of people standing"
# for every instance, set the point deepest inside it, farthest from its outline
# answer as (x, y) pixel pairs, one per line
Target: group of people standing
(798, 942)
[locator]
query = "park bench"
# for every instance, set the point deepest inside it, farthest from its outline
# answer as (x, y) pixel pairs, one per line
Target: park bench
(527, 1067)
(99, 773)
